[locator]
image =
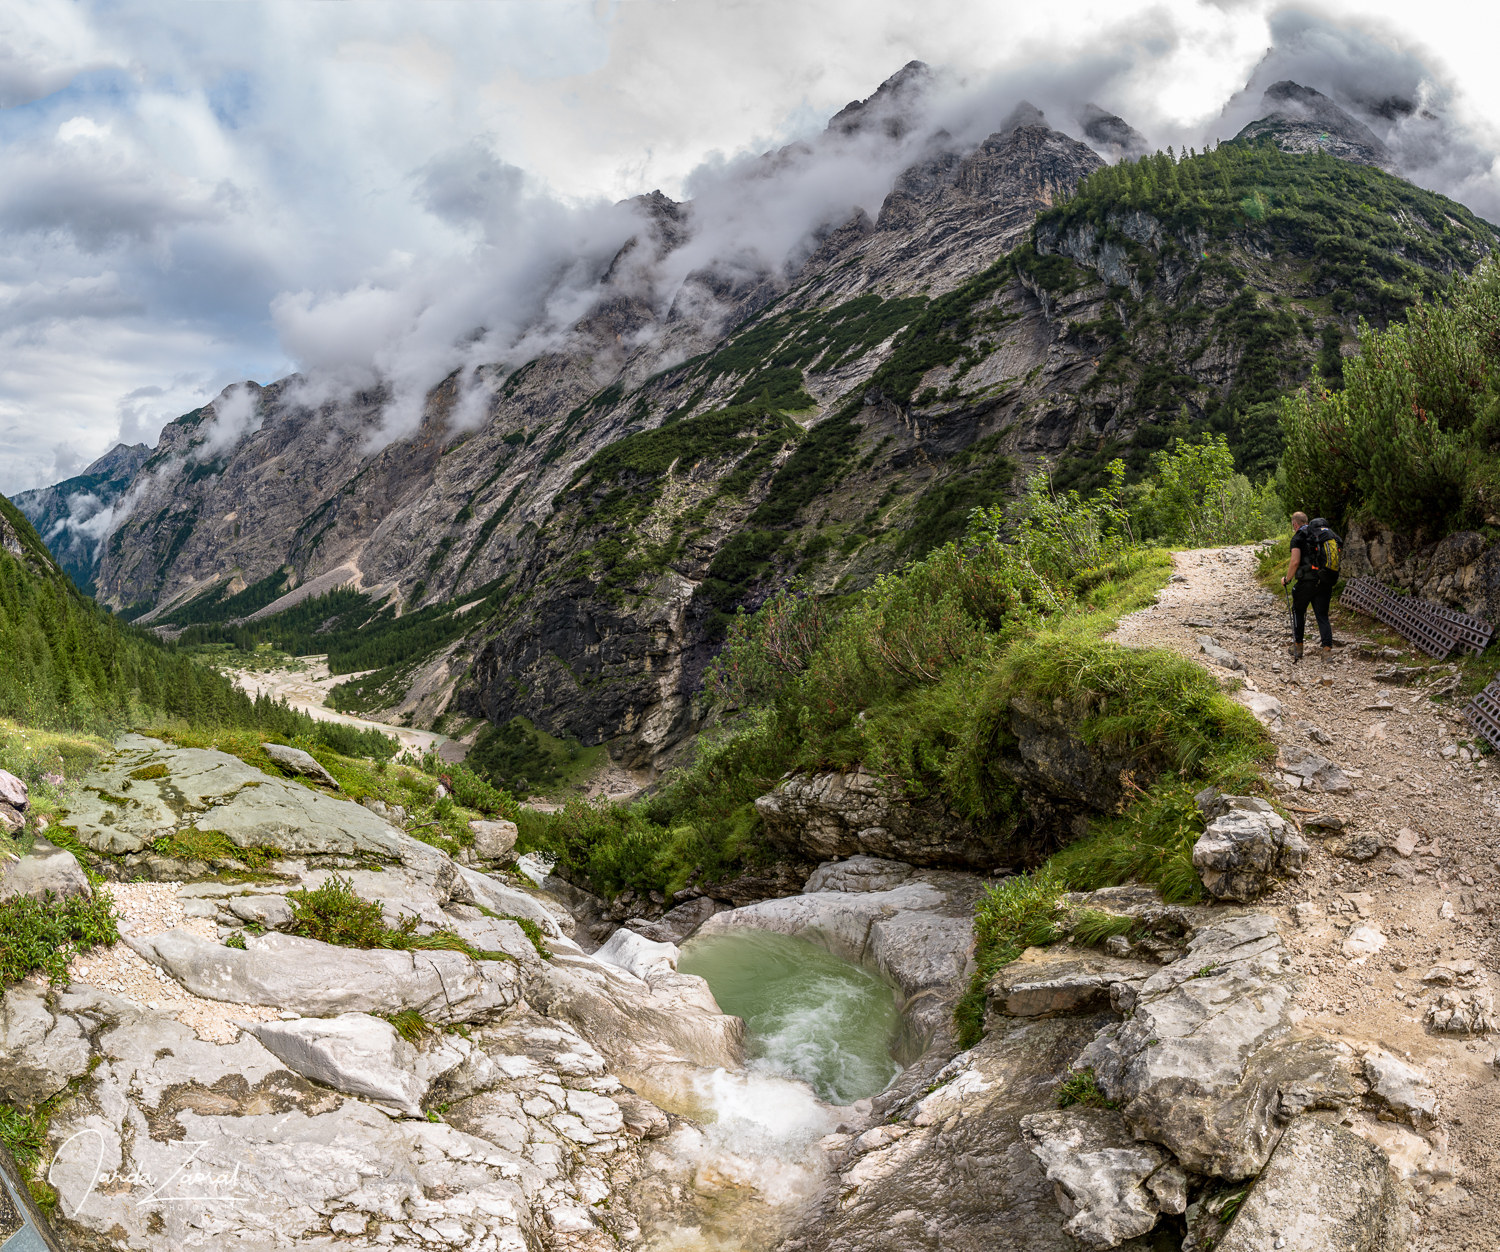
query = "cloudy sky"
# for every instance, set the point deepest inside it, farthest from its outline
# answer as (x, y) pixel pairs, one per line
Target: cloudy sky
(198, 193)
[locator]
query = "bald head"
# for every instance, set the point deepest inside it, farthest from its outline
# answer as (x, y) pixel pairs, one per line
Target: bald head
(1299, 520)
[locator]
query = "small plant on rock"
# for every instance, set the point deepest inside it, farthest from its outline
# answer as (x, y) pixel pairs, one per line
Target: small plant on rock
(1082, 1088)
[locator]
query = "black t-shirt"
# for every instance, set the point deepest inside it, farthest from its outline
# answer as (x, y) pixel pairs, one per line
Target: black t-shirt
(1303, 542)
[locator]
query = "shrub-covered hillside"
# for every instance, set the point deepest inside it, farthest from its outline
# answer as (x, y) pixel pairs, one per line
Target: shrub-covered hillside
(1412, 440)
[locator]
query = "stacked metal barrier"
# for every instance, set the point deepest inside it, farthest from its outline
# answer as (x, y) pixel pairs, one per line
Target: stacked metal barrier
(1483, 713)
(1431, 627)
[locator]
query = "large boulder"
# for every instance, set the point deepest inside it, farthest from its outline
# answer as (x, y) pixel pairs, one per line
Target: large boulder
(1240, 855)
(45, 868)
(831, 815)
(858, 873)
(494, 840)
(1323, 1190)
(319, 979)
(13, 791)
(353, 1052)
(1200, 1064)
(296, 761)
(1100, 1170)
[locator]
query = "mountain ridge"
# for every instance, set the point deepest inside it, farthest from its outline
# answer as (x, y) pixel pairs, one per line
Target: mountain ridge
(621, 498)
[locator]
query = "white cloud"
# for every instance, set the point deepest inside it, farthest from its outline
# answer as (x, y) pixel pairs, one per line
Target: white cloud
(197, 194)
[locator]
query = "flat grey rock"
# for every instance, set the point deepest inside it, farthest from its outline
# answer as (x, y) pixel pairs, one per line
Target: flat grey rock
(1323, 1190)
(297, 761)
(1102, 1171)
(353, 1052)
(272, 912)
(319, 979)
(1084, 984)
(1403, 1089)
(45, 868)
(215, 791)
(37, 1053)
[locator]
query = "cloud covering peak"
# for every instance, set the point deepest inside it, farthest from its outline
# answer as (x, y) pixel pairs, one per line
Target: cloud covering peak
(388, 193)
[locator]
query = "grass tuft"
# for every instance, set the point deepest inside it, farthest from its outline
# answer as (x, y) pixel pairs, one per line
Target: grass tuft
(1081, 1087)
(147, 772)
(410, 1025)
(1092, 927)
(192, 844)
(333, 913)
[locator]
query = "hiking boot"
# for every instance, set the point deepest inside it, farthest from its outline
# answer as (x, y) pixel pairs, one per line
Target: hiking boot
(1325, 654)
(1296, 652)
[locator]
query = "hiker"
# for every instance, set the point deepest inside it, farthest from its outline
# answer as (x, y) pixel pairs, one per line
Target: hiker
(1314, 568)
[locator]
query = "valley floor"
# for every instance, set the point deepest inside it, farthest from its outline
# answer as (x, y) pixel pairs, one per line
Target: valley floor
(306, 690)
(1427, 896)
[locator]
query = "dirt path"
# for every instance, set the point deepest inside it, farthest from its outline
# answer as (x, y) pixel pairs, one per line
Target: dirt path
(1427, 898)
(306, 690)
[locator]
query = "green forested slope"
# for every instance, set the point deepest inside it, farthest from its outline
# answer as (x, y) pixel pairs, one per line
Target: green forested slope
(64, 661)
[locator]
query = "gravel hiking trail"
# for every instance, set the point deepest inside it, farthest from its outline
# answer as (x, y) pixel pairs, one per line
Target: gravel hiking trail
(1394, 922)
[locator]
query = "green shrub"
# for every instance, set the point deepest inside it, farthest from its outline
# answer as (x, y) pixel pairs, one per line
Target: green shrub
(1411, 439)
(333, 913)
(44, 935)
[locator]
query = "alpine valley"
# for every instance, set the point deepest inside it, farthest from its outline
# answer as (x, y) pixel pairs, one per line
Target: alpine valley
(571, 555)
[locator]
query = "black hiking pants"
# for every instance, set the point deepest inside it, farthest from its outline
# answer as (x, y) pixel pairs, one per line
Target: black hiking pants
(1316, 592)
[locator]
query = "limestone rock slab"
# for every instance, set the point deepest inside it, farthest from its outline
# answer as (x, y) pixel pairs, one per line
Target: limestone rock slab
(319, 979)
(1182, 1064)
(1323, 1190)
(354, 1053)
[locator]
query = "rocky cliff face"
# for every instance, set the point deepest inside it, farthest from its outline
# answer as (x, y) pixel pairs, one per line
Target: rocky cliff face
(72, 516)
(1299, 119)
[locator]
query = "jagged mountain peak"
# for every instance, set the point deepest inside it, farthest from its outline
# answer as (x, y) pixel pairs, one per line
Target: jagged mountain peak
(1110, 132)
(1302, 119)
(891, 107)
(1024, 114)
